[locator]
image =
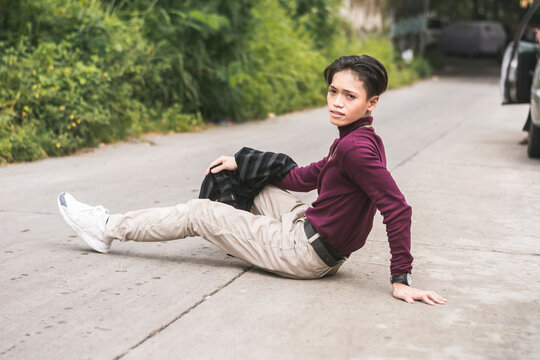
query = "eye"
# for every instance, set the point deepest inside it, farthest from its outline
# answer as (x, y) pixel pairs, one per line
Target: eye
(332, 91)
(351, 97)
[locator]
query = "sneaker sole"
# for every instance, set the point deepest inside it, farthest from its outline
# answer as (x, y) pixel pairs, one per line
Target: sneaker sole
(95, 244)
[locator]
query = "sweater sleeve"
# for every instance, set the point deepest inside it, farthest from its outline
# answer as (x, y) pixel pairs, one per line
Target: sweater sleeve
(302, 179)
(363, 165)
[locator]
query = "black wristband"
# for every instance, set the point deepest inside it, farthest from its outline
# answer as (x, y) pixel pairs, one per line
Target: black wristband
(403, 279)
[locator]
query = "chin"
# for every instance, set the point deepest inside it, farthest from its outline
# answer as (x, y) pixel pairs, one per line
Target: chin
(339, 122)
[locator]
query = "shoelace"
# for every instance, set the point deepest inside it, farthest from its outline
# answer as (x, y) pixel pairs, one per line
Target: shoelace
(96, 210)
(97, 214)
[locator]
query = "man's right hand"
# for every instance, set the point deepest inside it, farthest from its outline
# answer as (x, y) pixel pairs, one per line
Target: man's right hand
(409, 294)
(224, 163)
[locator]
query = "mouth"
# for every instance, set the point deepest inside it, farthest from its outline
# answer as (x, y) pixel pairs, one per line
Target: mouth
(337, 114)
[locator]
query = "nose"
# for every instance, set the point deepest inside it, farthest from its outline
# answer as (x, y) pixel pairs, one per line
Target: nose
(338, 101)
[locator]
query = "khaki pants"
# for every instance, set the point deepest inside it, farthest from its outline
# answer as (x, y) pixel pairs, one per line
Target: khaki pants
(271, 236)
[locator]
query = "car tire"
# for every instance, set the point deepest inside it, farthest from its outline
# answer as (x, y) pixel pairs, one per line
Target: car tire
(533, 148)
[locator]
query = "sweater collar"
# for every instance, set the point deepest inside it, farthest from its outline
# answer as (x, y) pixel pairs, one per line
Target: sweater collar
(347, 129)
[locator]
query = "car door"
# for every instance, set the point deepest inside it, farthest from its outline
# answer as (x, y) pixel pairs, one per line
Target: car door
(518, 64)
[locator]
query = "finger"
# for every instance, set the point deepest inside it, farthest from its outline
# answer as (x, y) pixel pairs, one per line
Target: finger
(218, 161)
(436, 296)
(210, 168)
(217, 169)
(427, 300)
(408, 299)
(226, 165)
(438, 299)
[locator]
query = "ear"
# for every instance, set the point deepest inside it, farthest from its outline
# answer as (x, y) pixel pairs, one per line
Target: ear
(372, 103)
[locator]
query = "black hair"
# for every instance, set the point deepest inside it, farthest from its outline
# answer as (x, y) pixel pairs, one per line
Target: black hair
(366, 68)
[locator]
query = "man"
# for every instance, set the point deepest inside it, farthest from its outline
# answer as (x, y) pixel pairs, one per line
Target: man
(281, 234)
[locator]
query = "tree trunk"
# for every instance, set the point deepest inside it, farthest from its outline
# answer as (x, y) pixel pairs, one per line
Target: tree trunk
(476, 13)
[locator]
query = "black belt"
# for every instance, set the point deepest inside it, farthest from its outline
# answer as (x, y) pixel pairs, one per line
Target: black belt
(325, 252)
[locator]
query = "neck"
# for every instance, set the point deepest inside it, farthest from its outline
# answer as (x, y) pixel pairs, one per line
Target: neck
(347, 129)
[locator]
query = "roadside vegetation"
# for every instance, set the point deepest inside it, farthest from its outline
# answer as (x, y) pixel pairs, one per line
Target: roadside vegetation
(76, 73)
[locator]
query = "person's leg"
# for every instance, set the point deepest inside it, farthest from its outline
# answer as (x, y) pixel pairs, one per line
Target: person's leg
(527, 124)
(274, 202)
(282, 205)
(526, 127)
(277, 246)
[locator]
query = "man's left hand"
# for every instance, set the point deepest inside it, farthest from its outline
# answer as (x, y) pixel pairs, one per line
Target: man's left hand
(410, 294)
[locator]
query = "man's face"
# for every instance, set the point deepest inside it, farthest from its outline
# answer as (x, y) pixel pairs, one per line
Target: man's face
(347, 99)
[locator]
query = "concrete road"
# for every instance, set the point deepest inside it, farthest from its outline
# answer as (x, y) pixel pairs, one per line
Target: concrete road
(453, 150)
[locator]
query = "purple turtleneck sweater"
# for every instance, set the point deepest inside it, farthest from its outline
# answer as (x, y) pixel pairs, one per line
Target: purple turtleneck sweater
(352, 184)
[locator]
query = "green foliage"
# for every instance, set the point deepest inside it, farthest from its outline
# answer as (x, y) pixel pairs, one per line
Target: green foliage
(318, 17)
(280, 71)
(76, 73)
(195, 42)
(435, 57)
(75, 77)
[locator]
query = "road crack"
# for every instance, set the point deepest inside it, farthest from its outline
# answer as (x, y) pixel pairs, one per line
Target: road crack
(413, 155)
(187, 311)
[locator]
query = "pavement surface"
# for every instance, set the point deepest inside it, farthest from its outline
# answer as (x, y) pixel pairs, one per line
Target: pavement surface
(453, 150)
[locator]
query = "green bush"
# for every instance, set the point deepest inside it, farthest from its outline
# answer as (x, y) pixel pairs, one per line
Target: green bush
(436, 58)
(195, 43)
(281, 71)
(76, 73)
(75, 78)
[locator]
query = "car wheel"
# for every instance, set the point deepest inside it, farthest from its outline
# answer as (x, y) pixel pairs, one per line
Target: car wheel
(533, 148)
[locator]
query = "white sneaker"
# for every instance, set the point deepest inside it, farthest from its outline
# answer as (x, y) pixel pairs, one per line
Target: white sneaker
(87, 221)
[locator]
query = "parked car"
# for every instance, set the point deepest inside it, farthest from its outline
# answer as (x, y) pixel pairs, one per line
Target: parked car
(520, 78)
(473, 38)
(517, 71)
(533, 147)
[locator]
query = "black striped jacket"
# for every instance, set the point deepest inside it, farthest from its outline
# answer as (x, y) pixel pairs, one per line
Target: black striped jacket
(255, 169)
